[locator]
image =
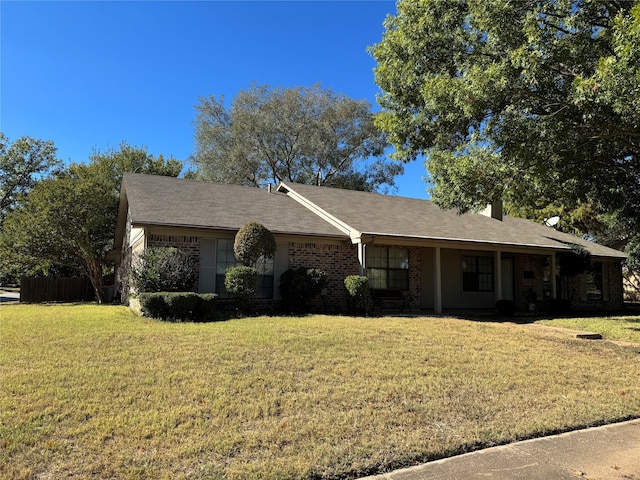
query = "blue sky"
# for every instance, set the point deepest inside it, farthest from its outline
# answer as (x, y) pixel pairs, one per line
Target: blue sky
(92, 74)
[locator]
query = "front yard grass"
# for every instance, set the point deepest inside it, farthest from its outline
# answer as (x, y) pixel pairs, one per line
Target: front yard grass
(625, 328)
(94, 391)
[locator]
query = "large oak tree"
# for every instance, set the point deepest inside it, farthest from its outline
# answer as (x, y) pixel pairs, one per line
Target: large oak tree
(536, 102)
(305, 135)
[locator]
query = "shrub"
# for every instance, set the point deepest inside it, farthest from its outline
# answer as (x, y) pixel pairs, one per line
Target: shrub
(179, 306)
(153, 305)
(357, 293)
(506, 308)
(299, 286)
(163, 269)
(560, 306)
(253, 242)
(241, 284)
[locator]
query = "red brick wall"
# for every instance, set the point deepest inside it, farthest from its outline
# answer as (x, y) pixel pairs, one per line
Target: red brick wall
(613, 301)
(339, 261)
(616, 285)
(415, 276)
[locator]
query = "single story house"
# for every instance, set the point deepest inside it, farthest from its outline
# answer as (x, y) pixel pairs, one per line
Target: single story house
(413, 253)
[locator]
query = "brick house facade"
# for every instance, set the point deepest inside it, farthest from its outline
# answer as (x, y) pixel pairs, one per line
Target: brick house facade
(447, 261)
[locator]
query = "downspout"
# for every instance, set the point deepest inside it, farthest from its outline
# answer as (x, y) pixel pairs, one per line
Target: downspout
(362, 257)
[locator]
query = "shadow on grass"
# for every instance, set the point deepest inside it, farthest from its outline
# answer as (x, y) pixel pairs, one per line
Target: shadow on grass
(528, 318)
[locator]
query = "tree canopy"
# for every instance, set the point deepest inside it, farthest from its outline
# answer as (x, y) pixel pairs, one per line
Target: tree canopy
(304, 135)
(536, 102)
(22, 163)
(68, 220)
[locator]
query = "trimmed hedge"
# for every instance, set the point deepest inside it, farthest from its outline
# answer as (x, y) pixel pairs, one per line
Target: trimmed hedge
(179, 306)
(299, 286)
(506, 308)
(241, 283)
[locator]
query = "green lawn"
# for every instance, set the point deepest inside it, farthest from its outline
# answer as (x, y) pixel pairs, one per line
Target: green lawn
(625, 328)
(93, 391)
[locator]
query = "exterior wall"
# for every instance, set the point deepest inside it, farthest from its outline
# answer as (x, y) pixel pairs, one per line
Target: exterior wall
(427, 267)
(530, 278)
(337, 259)
(532, 284)
(133, 244)
(612, 290)
(631, 282)
(616, 285)
(453, 295)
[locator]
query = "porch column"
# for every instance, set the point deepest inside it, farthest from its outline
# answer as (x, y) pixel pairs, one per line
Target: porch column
(498, 294)
(553, 275)
(437, 273)
(362, 257)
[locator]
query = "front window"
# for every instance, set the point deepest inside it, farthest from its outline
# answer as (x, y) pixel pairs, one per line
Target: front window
(225, 259)
(388, 268)
(477, 274)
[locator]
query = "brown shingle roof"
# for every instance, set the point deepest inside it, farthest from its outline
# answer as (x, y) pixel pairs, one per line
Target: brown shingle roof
(157, 200)
(386, 215)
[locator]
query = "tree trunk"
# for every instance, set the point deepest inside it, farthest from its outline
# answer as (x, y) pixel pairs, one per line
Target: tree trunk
(94, 272)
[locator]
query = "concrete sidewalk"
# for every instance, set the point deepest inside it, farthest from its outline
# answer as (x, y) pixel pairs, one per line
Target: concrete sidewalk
(611, 452)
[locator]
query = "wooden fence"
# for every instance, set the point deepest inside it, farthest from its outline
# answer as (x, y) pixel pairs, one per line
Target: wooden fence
(55, 289)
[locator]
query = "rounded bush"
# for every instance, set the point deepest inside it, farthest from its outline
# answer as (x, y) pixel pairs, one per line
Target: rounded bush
(357, 287)
(241, 283)
(299, 286)
(252, 242)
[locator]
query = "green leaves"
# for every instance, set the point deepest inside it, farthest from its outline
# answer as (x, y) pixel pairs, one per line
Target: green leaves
(21, 163)
(468, 180)
(304, 135)
(68, 220)
(529, 100)
(163, 269)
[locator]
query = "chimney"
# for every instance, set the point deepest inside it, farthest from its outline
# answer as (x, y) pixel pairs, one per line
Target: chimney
(494, 210)
(269, 188)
